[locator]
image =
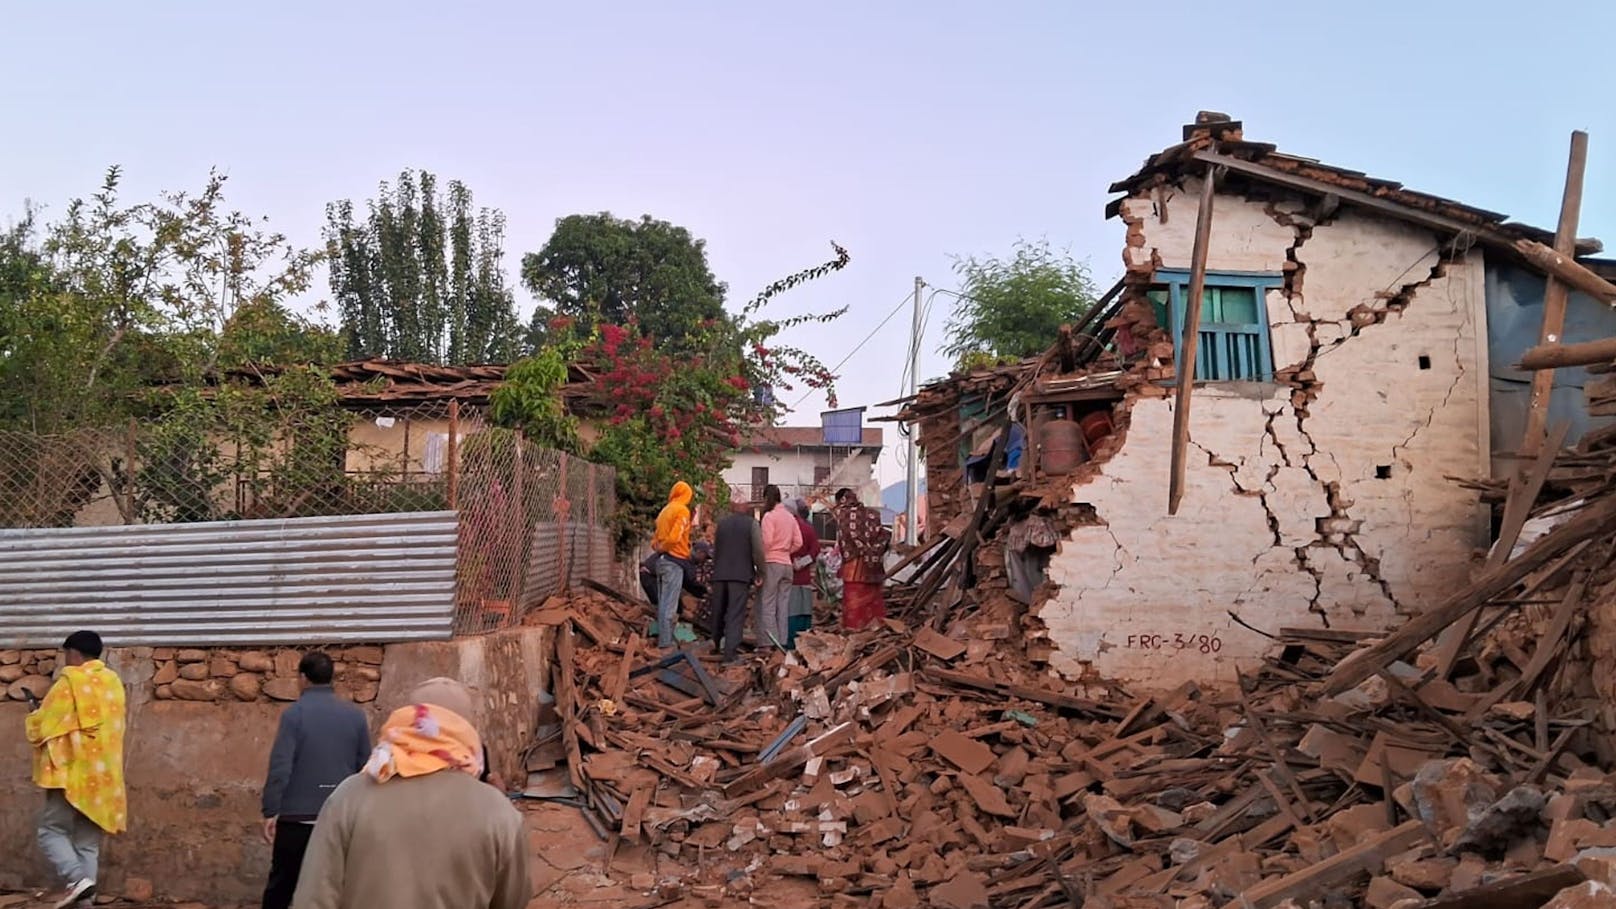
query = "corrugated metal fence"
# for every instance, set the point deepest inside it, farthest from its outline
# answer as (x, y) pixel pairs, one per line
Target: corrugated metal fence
(354, 578)
(562, 554)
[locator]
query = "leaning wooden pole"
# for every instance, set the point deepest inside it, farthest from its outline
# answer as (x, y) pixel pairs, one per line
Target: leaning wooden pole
(1554, 299)
(1184, 367)
(1522, 489)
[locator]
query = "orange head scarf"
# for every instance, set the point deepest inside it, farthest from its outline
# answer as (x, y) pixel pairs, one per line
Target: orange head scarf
(425, 737)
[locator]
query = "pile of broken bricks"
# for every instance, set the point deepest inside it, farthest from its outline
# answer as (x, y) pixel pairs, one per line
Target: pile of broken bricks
(1453, 761)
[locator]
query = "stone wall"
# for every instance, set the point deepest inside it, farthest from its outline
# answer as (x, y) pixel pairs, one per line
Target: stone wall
(1320, 499)
(213, 674)
(197, 748)
(25, 671)
(190, 674)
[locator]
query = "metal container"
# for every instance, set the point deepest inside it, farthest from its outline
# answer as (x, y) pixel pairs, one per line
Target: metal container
(1061, 447)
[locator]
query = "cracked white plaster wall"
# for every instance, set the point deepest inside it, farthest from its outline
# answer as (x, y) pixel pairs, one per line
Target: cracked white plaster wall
(1336, 515)
(1246, 238)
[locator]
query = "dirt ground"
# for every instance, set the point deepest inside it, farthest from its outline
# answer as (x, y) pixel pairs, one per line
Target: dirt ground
(569, 868)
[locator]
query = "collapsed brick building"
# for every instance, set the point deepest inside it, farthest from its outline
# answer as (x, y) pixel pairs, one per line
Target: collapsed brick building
(1356, 360)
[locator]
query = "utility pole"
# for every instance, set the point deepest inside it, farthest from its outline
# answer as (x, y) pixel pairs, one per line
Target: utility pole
(911, 526)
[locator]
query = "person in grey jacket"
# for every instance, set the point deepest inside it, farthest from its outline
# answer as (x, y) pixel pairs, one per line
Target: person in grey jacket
(737, 563)
(322, 740)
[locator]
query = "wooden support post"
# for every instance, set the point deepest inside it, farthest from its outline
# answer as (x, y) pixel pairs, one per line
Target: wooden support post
(1364, 859)
(454, 454)
(1184, 367)
(1554, 298)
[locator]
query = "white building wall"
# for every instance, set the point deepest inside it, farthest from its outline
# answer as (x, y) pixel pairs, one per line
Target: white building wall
(795, 468)
(1340, 514)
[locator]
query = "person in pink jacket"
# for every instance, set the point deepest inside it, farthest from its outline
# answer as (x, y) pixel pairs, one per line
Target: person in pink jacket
(781, 538)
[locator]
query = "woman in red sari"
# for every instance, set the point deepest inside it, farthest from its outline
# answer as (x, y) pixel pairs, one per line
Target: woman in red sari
(863, 543)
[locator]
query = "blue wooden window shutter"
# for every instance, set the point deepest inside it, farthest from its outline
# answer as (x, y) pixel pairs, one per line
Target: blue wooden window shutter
(1234, 343)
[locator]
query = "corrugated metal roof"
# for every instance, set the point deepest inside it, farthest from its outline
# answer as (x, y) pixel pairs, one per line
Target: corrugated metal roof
(385, 577)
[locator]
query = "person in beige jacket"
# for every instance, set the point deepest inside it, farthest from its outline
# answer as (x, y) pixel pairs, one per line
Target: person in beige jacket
(416, 829)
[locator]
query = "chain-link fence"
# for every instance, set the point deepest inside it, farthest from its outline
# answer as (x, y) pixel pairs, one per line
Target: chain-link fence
(533, 521)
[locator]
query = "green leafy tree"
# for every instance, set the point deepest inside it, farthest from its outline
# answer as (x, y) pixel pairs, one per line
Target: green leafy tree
(1013, 307)
(119, 297)
(142, 310)
(597, 269)
(421, 277)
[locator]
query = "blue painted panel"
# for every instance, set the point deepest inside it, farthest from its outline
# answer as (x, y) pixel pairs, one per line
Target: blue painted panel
(1514, 298)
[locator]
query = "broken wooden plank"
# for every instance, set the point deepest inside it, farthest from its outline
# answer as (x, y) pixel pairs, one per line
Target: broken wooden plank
(1025, 692)
(1557, 356)
(1524, 488)
(1314, 881)
(1548, 647)
(634, 812)
(1527, 891)
(619, 682)
(567, 704)
(1565, 268)
(790, 761)
(915, 554)
(1190, 340)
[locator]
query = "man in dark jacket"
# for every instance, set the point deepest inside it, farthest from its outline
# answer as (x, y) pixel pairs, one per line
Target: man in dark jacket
(737, 561)
(322, 740)
(701, 553)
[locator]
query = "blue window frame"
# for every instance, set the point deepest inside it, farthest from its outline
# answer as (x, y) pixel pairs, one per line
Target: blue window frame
(971, 409)
(1234, 342)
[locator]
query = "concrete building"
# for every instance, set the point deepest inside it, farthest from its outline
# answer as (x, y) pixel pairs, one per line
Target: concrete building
(1356, 354)
(796, 459)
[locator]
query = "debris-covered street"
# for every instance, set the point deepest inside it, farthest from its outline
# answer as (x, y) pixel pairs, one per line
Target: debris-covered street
(771, 456)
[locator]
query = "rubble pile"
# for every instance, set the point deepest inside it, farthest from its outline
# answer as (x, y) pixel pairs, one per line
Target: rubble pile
(1452, 760)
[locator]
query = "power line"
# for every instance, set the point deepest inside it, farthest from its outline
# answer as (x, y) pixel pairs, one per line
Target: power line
(860, 346)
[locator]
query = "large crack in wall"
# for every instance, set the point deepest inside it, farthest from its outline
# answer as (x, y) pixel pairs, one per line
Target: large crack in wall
(1337, 532)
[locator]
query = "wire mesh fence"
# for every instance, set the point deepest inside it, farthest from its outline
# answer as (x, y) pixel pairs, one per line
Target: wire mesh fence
(533, 521)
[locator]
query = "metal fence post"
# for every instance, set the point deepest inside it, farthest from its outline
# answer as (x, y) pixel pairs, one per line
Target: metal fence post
(453, 453)
(562, 508)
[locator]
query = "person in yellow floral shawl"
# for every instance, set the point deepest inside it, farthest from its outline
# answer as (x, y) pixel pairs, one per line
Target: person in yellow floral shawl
(77, 737)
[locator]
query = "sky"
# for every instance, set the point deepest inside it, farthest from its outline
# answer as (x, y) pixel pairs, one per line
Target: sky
(908, 132)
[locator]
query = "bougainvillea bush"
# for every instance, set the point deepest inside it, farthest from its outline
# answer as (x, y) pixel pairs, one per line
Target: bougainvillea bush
(662, 416)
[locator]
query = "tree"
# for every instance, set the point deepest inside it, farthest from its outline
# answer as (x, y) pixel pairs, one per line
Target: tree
(421, 278)
(597, 269)
(118, 298)
(1012, 308)
(663, 414)
(139, 310)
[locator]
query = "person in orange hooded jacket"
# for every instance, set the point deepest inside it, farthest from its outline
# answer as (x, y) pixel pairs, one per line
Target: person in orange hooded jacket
(672, 543)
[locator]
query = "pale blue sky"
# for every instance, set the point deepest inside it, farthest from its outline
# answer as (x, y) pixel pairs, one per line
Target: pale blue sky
(905, 131)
